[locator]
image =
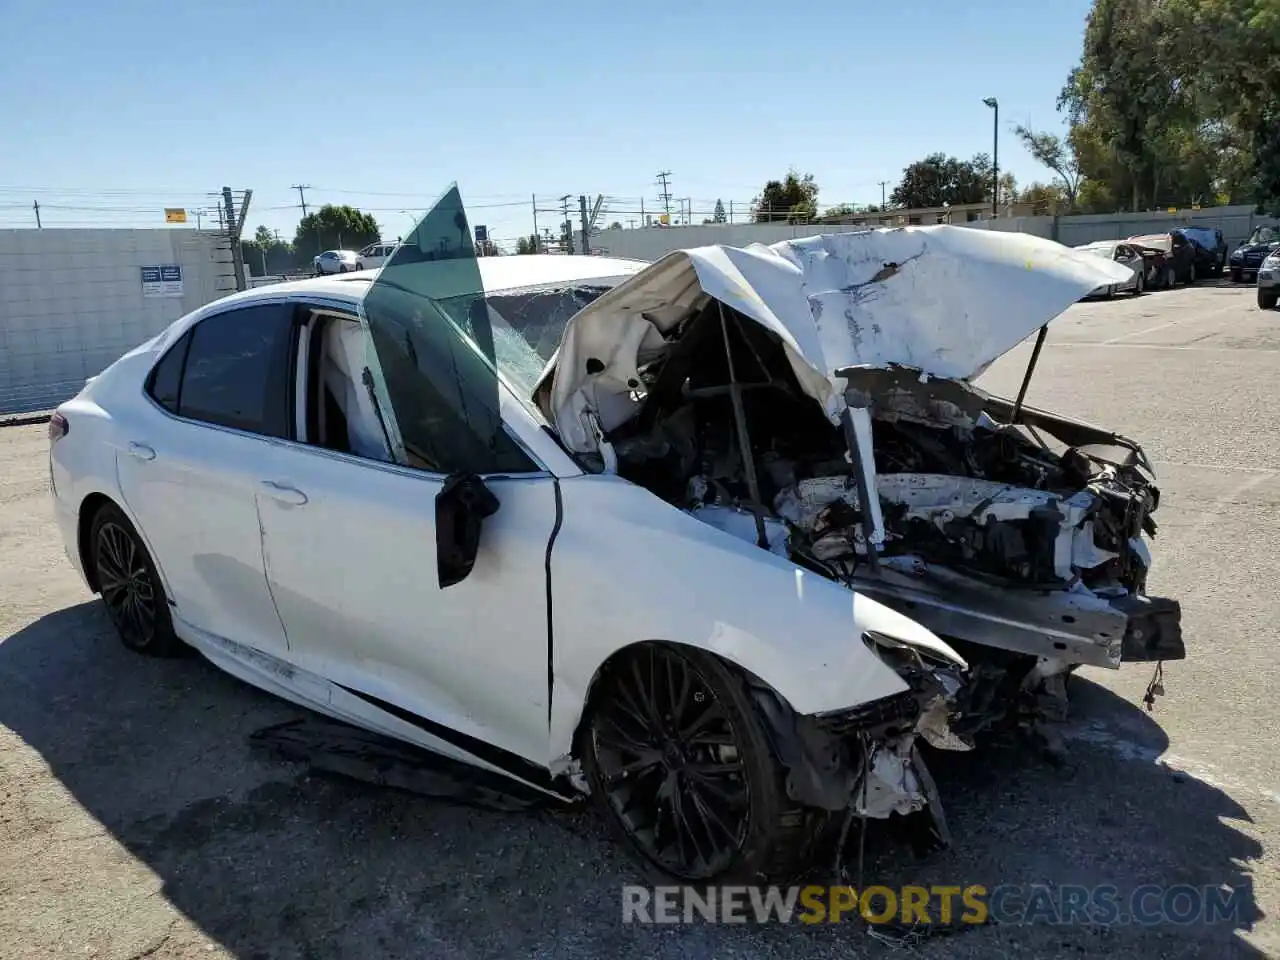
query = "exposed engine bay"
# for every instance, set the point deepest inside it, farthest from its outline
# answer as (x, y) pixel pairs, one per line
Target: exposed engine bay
(1029, 536)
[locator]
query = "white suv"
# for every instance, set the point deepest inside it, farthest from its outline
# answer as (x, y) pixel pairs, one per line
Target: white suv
(375, 255)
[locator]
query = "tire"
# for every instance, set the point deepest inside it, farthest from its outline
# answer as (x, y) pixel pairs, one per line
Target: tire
(1141, 285)
(342, 268)
(1237, 276)
(130, 585)
(1191, 274)
(1170, 278)
(1111, 292)
(1267, 299)
(712, 751)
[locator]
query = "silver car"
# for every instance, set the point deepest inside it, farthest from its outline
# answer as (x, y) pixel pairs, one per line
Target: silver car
(1121, 253)
(335, 261)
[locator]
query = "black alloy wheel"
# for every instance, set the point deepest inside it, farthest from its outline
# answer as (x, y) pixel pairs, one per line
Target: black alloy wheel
(130, 586)
(679, 760)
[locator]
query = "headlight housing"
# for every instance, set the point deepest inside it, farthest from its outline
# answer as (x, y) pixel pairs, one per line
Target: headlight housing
(1272, 259)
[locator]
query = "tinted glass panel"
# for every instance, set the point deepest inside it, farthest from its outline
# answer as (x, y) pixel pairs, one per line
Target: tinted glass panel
(166, 378)
(438, 365)
(238, 370)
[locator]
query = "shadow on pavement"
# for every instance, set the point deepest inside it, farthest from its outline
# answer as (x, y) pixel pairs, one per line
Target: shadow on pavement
(274, 863)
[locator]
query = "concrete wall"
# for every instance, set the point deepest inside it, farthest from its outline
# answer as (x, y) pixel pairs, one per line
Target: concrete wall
(1236, 223)
(71, 302)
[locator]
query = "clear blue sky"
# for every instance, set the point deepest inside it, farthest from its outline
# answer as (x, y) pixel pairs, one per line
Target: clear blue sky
(133, 106)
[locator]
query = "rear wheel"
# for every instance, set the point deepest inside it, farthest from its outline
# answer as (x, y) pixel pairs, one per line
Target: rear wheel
(1267, 299)
(1140, 285)
(1170, 278)
(130, 585)
(1191, 274)
(679, 761)
(1237, 276)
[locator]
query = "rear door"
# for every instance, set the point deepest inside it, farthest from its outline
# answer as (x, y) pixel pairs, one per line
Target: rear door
(190, 467)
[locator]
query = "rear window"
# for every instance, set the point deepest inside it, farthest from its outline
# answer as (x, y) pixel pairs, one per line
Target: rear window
(232, 369)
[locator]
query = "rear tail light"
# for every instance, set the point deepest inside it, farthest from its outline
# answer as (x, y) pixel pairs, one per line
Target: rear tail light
(58, 427)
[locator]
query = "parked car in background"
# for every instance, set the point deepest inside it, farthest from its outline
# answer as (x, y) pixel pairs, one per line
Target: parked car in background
(1179, 257)
(335, 261)
(1210, 249)
(375, 255)
(1269, 280)
(1125, 254)
(1248, 257)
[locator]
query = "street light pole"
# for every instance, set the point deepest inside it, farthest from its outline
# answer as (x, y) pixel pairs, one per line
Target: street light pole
(994, 104)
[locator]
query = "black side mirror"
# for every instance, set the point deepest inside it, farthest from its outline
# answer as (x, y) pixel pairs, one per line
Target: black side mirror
(461, 508)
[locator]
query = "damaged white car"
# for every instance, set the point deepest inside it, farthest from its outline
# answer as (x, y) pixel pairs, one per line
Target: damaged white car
(664, 580)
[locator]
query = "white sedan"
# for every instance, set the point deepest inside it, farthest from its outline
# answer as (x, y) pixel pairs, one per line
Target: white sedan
(496, 508)
(335, 261)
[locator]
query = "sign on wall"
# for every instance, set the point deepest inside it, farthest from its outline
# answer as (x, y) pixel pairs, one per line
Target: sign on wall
(164, 280)
(175, 215)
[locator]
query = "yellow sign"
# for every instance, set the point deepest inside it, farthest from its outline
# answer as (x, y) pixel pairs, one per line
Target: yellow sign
(665, 219)
(1195, 206)
(1173, 209)
(175, 215)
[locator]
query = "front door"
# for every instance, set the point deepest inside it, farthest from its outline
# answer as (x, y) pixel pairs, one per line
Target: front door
(353, 564)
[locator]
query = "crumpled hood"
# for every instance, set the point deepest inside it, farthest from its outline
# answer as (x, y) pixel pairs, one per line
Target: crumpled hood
(945, 300)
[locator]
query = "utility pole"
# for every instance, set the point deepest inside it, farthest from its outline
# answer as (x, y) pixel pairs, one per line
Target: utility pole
(730, 211)
(994, 104)
(35, 204)
(234, 227)
(882, 185)
(665, 196)
(566, 225)
(688, 216)
(302, 197)
(536, 237)
(586, 225)
(643, 222)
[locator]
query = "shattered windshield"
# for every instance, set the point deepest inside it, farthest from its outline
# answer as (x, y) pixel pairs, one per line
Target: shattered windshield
(528, 323)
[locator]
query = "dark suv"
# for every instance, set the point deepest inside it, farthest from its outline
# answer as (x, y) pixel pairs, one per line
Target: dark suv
(1210, 249)
(1248, 257)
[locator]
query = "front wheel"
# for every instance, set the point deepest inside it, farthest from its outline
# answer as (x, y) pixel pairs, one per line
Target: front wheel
(1237, 276)
(1140, 285)
(1170, 278)
(1267, 299)
(130, 586)
(679, 761)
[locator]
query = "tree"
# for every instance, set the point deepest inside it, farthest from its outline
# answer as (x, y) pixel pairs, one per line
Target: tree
(527, 245)
(1053, 152)
(793, 200)
(1046, 199)
(841, 211)
(939, 180)
(265, 254)
(332, 227)
(615, 225)
(718, 214)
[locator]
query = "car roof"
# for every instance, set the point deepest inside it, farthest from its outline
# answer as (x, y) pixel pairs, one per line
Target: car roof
(496, 273)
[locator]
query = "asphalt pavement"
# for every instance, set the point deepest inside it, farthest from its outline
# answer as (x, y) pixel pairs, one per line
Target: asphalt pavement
(136, 821)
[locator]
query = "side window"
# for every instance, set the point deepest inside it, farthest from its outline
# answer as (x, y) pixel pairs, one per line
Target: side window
(165, 383)
(238, 370)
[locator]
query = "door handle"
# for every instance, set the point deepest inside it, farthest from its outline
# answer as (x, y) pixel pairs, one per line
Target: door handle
(141, 451)
(284, 493)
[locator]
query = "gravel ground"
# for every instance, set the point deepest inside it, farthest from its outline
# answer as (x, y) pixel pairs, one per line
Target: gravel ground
(135, 820)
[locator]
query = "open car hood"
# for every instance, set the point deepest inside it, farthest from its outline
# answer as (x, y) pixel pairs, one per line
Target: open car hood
(944, 300)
